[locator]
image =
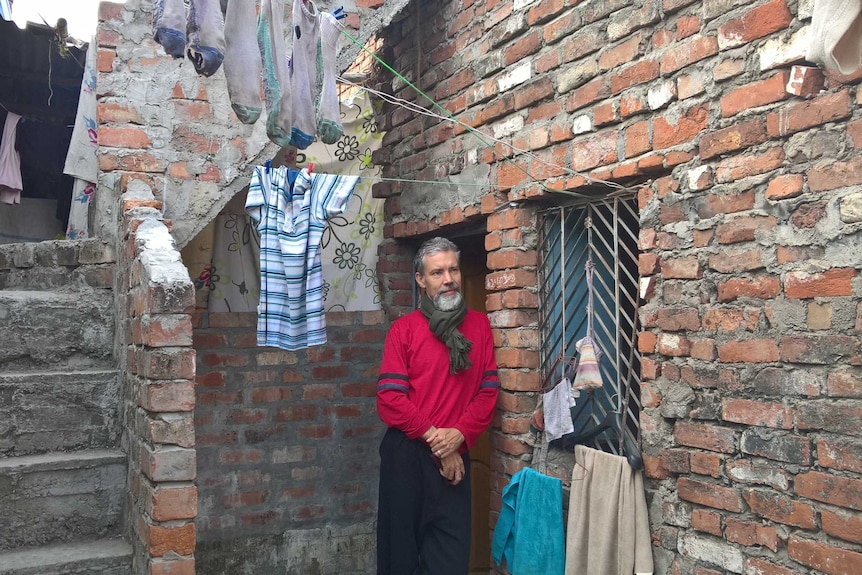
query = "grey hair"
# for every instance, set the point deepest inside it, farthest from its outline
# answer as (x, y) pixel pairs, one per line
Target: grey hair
(431, 247)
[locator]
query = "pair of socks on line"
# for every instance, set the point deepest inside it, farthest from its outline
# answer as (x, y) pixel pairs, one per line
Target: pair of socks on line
(200, 34)
(299, 92)
(307, 79)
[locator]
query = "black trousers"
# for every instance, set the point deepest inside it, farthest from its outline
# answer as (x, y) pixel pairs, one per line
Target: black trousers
(423, 522)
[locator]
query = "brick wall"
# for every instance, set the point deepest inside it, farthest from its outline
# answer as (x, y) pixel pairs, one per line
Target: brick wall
(745, 160)
(287, 446)
(157, 360)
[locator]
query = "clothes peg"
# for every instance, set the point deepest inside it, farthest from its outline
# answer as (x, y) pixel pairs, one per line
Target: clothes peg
(310, 168)
(267, 165)
(339, 13)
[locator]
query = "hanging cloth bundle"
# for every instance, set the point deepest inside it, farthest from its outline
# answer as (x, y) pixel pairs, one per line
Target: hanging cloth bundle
(588, 375)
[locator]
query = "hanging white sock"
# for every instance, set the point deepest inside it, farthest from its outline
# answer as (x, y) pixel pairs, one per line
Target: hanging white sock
(329, 126)
(242, 60)
(205, 31)
(276, 73)
(169, 18)
(306, 36)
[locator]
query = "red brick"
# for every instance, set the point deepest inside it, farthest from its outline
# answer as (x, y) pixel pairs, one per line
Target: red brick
(593, 151)
(833, 282)
(840, 491)
(784, 186)
(637, 73)
(684, 53)
(740, 167)
(732, 138)
(681, 268)
(622, 53)
(844, 383)
(759, 413)
(706, 464)
(731, 319)
(732, 261)
(807, 114)
(706, 521)
(743, 228)
(756, 94)
(673, 345)
(590, 92)
(824, 557)
(637, 139)
(805, 81)
(161, 540)
(842, 524)
(686, 319)
(748, 351)
(713, 204)
(760, 287)
(835, 175)
(679, 130)
(703, 436)
(779, 507)
(709, 494)
(179, 566)
(756, 23)
(763, 567)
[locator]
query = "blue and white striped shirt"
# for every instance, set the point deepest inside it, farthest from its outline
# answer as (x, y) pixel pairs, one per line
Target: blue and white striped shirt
(291, 221)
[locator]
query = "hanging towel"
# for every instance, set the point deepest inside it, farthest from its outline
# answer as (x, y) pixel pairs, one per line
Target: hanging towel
(558, 404)
(836, 35)
(82, 161)
(10, 162)
(529, 531)
(608, 528)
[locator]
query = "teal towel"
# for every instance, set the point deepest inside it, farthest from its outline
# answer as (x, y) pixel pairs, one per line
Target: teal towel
(529, 532)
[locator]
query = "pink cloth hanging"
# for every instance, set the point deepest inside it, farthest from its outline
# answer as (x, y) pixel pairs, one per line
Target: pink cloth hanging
(10, 163)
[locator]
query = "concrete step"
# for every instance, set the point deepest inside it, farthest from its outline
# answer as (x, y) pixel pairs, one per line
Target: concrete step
(61, 497)
(101, 557)
(65, 329)
(58, 411)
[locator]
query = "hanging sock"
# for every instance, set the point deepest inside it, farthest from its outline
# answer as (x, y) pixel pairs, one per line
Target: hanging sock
(242, 67)
(168, 20)
(304, 82)
(328, 110)
(205, 30)
(276, 73)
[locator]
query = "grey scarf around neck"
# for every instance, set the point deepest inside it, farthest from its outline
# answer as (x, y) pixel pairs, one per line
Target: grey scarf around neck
(444, 325)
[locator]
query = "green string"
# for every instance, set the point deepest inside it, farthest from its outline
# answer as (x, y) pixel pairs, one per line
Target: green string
(479, 135)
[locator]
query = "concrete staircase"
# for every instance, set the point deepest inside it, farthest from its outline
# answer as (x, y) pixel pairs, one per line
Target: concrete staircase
(62, 471)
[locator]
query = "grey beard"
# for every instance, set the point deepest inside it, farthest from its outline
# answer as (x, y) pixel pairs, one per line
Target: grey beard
(448, 302)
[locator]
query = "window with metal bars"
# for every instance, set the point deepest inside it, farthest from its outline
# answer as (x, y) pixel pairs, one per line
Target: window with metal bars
(604, 232)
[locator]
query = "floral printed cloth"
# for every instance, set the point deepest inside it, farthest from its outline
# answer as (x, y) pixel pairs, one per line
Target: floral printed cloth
(82, 161)
(230, 281)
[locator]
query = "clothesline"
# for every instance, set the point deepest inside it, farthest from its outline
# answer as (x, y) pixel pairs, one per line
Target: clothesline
(484, 138)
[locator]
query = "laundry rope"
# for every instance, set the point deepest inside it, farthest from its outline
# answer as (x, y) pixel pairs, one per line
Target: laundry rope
(484, 138)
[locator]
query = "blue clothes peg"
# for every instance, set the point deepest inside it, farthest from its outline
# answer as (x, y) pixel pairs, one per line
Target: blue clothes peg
(267, 165)
(339, 13)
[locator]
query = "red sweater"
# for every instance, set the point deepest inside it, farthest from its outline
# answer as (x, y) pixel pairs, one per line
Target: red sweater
(415, 389)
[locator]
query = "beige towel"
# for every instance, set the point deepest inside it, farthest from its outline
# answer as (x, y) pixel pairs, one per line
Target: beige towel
(608, 528)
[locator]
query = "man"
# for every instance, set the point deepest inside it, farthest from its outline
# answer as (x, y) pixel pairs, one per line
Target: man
(437, 392)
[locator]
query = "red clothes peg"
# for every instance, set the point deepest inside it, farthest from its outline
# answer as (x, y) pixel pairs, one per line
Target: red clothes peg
(310, 168)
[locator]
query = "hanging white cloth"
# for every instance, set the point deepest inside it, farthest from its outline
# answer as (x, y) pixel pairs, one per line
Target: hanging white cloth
(82, 162)
(558, 404)
(10, 162)
(836, 35)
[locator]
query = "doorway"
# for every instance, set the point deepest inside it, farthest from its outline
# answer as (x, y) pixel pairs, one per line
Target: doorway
(473, 271)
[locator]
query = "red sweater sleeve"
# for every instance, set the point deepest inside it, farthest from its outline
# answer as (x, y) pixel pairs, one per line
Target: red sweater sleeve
(393, 400)
(479, 412)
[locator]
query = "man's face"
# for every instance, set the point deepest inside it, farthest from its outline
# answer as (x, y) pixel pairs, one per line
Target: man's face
(441, 280)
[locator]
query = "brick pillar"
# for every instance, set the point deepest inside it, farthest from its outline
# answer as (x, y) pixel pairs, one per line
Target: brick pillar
(512, 306)
(156, 298)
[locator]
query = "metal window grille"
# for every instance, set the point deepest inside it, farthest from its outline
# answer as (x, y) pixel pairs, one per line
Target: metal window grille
(604, 231)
